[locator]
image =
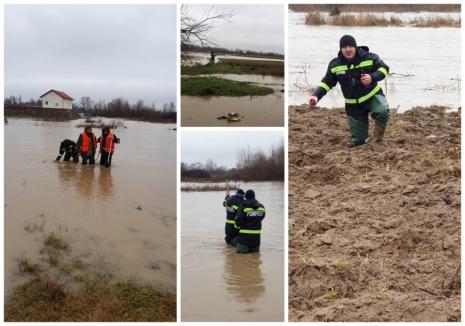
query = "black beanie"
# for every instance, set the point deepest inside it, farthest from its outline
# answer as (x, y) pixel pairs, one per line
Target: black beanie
(249, 194)
(347, 40)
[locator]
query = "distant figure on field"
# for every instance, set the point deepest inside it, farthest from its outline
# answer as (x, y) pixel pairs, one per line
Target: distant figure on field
(358, 71)
(87, 144)
(232, 204)
(69, 148)
(212, 57)
(107, 143)
(249, 220)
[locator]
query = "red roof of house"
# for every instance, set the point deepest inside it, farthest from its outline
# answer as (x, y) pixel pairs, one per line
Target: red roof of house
(59, 93)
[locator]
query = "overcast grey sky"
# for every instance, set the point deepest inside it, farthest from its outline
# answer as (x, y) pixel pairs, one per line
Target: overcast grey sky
(101, 51)
(253, 27)
(223, 146)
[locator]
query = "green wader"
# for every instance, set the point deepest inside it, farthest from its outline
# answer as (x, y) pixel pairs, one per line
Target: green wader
(242, 249)
(379, 111)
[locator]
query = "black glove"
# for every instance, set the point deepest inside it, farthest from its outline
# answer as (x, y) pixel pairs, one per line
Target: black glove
(58, 158)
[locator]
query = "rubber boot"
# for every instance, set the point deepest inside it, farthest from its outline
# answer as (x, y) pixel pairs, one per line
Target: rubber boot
(379, 111)
(358, 131)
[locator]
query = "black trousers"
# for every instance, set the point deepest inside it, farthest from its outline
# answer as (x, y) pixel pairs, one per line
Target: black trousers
(68, 156)
(105, 158)
(90, 158)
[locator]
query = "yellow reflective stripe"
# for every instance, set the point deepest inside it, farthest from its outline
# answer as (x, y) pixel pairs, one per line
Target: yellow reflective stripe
(383, 70)
(338, 68)
(325, 86)
(365, 63)
(250, 231)
(230, 221)
(261, 209)
(351, 101)
(363, 98)
(248, 209)
(369, 95)
(234, 206)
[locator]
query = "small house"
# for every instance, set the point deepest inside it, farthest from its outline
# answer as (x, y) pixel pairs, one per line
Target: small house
(54, 99)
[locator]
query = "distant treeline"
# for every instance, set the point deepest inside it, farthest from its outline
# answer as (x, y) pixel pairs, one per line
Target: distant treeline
(250, 166)
(116, 108)
(121, 108)
(339, 8)
(239, 52)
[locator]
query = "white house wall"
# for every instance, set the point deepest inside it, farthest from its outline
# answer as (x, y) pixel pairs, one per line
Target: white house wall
(54, 101)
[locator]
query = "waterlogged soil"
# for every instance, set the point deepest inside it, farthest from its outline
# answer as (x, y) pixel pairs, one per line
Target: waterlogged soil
(121, 219)
(374, 232)
(217, 284)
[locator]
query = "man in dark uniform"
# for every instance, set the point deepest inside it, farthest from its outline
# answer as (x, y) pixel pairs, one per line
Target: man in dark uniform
(358, 71)
(87, 144)
(249, 220)
(232, 204)
(69, 148)
(107, 143)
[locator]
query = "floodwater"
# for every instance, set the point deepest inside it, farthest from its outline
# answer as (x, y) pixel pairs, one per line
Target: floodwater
(94, 208)
(426, 62)
(204, 58)
(216, 283)
(260, 111)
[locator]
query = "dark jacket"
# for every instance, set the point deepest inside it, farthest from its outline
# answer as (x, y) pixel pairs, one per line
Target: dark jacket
(68, 146)
(249, 219)
(348, 74)
(232, 204)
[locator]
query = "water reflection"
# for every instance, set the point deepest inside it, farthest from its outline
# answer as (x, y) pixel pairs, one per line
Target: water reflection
(243, 276)
(105, 183)
(86, 181)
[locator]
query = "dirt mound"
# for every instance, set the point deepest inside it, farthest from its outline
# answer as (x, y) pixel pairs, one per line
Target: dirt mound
(375, 230)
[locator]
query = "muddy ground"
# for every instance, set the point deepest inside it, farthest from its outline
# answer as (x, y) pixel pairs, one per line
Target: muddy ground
(374, 232)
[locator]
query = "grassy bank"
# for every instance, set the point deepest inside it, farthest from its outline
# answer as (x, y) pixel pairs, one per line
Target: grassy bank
(204, 86)
(315, 18)
(237, 66)
(61, 287)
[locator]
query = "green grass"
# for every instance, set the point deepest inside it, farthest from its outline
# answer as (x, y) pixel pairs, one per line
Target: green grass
(329, 294)
(62, 288)
(205, 86)
(238, 67)
(47, 300)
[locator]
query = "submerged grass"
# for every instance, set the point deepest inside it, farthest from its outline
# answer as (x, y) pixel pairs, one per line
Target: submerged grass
(206, 86)
(237, 66)
(61, 288)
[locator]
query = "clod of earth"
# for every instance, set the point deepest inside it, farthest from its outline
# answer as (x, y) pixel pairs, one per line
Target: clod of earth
(392, 211)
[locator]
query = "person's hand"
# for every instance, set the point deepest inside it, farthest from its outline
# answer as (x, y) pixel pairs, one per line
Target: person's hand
(58, 158)
(313, 101)
(366, 80)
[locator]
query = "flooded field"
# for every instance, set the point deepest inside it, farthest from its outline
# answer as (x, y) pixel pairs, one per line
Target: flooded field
(265, 110)
(232, 287)
(122, 218)
(425, 61)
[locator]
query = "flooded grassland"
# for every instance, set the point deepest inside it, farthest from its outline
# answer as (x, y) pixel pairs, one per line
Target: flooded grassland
(216, 283)
(120, 221)
(251, 87)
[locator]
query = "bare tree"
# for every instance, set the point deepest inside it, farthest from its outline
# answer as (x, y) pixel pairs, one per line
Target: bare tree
(196, 30)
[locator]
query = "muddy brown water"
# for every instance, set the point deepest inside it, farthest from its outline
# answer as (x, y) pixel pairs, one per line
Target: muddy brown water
(265, 110)
(216, 283)
(92, 207)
